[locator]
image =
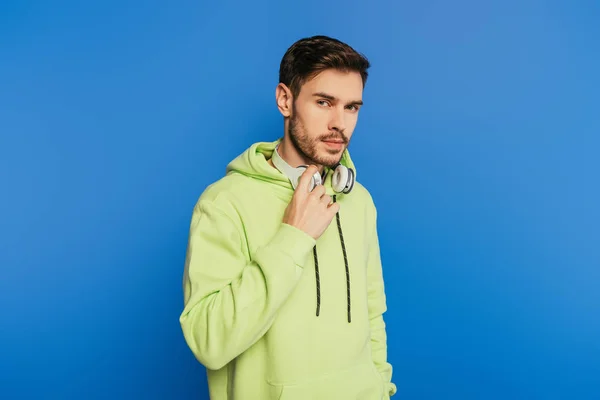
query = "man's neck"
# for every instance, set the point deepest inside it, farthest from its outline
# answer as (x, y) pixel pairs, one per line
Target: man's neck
(287, 151)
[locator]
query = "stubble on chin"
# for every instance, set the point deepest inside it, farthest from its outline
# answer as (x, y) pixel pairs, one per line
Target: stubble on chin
(313, 150)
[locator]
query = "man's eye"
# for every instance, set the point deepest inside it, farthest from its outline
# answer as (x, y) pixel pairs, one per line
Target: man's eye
(323, 102)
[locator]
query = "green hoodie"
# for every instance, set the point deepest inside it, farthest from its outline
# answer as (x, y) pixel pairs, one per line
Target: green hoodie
(269, 311)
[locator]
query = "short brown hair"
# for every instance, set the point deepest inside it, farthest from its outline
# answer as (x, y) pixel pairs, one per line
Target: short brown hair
(309, 56)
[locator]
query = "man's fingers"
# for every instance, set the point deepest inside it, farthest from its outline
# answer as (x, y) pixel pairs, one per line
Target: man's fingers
(306, 178)
(333, 208)
(318, 192)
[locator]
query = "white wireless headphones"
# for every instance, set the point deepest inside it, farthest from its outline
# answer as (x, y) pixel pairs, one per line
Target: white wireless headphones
(342, 180)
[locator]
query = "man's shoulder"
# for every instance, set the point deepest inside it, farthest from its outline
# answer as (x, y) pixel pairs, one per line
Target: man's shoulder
(366, 200)
(224, 192)
(363, 194)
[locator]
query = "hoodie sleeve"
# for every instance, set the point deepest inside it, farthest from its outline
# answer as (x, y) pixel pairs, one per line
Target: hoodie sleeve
(377, 306)
(230, 302)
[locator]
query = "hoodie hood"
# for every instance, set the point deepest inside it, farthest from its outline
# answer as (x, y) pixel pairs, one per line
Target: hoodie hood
(253, 162)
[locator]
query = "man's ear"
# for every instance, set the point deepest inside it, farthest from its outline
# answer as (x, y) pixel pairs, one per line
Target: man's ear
(283, 96)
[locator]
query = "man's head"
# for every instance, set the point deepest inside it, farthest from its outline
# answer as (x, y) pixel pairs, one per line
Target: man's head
(321, 81)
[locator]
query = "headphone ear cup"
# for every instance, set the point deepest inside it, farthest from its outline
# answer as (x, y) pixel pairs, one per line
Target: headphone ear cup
(351, 181)
(342, 180)
(339, 178)
(314, 181)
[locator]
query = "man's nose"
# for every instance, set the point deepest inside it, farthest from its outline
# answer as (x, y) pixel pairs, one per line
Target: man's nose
(337, 121)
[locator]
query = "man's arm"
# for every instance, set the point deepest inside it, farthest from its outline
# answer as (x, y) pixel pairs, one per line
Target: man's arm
(377, 306)
(231, 302)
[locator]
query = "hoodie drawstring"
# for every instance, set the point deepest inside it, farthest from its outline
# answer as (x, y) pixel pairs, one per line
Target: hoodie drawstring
(317, 277)
(318, 280)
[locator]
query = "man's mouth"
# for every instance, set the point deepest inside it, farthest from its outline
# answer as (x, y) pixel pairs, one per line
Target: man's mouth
(334, 140)
(337, 144)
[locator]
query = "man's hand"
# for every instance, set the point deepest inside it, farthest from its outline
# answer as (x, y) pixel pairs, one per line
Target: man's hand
(310, 212)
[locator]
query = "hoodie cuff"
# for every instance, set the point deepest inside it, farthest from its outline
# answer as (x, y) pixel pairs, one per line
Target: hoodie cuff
(293, 242)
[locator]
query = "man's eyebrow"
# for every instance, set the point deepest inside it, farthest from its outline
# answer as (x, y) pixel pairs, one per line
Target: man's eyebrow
(334, 99)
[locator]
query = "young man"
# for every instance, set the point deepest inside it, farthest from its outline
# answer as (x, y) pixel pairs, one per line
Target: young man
(281, 301)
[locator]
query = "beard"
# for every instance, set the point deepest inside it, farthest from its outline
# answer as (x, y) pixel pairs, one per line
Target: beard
(308, 147)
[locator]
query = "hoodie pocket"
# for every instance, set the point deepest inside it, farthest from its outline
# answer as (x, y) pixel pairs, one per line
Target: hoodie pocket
(361, 382)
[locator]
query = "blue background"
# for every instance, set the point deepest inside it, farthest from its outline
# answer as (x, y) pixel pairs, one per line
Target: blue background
(479, 141)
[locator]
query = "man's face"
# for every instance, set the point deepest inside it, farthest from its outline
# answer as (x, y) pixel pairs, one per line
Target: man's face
(324, 116)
